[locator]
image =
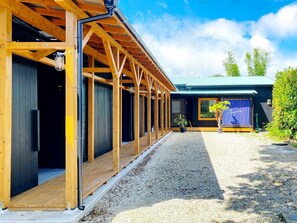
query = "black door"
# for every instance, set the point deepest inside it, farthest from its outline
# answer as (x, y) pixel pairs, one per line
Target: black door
(103, 119)
(24, 168)
(177, 107)
(127, 114)
(51, 100)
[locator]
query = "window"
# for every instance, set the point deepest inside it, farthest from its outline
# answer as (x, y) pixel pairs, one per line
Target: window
(203, 109)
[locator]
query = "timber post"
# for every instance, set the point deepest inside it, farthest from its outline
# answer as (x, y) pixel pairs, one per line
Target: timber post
(149, 84)
(149, 117)
(166, 111)
(169, 111)
(156, 110)
(71, 110)
(142, 116)
(162, 111)
(137, 75)
(5, 105)
(116, 65)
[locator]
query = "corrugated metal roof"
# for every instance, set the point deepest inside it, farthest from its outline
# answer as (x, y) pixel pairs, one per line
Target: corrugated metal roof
(223, 81)
(217, 92)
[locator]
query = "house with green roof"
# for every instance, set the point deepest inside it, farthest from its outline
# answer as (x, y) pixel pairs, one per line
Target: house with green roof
(250, 102)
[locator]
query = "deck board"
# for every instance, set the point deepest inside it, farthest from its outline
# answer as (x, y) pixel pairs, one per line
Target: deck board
(51, 194)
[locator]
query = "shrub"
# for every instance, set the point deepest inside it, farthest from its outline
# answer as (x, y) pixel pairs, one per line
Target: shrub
(284, 124)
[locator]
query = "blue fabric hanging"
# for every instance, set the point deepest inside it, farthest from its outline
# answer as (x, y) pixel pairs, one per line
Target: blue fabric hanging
(238, 114)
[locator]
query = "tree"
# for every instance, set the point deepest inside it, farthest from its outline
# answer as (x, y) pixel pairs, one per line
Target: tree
(230, 65)
(218, 75)
(284, 124)
(219, 107)
(257, 63)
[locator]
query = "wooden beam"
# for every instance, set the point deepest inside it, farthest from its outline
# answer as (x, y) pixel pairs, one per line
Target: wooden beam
(42, 53)
(122, 37)
(91, 114)
(71, 111)
(36, 45)
(156, 111)
(127, 81)
(96, 69)
(129, 44)
(114, 29)
(50, 12)
(149, 83)
(115, 105)
(136, 75)
(122, 60)
(5, 105)
(41, 2)
(87, 37)
(110, 58)
(31, 56)
(93, 7)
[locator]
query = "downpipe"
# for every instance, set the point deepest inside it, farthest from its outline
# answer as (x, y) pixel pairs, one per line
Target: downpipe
(80, 23)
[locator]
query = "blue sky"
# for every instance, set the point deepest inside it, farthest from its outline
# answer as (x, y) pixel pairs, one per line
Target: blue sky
(191, 37)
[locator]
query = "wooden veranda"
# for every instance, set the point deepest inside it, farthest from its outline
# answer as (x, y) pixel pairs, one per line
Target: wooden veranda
(116, 57)
(51, 194)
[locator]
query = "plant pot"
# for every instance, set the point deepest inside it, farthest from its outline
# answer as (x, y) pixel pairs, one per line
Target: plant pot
(182, 129)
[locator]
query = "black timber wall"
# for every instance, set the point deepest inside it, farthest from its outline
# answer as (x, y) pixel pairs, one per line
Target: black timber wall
(24, 166)
(103, 119)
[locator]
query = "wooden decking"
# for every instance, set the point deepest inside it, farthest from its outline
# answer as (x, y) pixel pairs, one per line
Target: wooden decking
(51, 195)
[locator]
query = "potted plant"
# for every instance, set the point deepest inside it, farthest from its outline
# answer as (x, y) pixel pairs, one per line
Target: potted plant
(181, 121)
(219, 108)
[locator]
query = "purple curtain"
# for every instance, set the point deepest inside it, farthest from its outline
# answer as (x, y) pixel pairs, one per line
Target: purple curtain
(238, 114)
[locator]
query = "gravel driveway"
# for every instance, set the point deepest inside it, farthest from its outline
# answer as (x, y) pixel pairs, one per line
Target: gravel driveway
(206, 177)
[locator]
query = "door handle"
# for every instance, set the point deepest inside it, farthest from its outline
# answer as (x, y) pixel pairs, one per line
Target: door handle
(36, 130)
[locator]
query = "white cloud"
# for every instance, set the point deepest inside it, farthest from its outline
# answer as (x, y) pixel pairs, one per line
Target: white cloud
(259, 41)
(195, 47)
(281, 24)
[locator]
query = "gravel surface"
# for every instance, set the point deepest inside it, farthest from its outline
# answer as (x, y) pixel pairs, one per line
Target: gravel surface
(206, 177)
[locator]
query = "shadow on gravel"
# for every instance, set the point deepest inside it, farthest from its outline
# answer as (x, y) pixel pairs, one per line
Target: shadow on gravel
(179, 169)
(272, 153)
(272, 190)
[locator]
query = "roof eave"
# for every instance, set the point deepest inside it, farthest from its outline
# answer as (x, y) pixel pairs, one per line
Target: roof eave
(124, 20)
